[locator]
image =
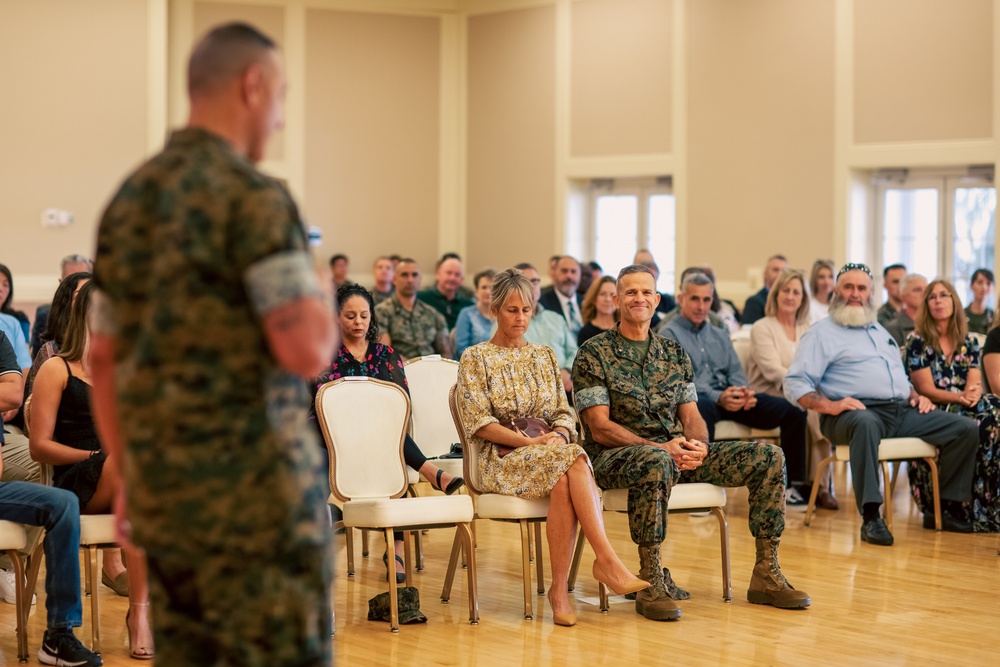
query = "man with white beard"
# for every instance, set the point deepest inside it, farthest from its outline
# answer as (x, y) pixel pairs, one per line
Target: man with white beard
(849, 369)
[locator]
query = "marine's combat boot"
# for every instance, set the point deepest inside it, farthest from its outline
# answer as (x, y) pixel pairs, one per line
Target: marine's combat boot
(768, 585)
(654, 602)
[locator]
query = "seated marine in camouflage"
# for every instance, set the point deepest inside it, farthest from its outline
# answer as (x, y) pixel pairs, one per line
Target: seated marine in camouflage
(636, 395)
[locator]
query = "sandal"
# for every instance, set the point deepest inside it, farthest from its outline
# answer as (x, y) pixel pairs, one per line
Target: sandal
(119, 584)
(400, 576)
(456, 484)
(134, 651)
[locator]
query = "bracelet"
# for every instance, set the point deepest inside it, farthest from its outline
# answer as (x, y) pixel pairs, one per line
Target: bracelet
(564, 436)
(93, 453)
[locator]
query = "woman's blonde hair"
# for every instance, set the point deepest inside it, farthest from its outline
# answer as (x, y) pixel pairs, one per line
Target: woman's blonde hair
(75, 339)
(926, 327)
(508, 282)
(814, 274)
(788, 275)
(588, 309)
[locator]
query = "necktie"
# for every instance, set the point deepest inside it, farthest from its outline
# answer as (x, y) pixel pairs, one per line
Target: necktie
(574, 316)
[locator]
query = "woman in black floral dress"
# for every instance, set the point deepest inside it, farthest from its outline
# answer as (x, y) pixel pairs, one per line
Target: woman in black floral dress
(943, 362)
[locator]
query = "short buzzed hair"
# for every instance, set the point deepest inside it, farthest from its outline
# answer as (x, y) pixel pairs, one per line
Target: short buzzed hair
(635, 268)
(224, 54)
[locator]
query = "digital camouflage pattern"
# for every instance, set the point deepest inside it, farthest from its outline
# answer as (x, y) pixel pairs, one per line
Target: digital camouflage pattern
(415, 333)
(643, 396)
(225, 487)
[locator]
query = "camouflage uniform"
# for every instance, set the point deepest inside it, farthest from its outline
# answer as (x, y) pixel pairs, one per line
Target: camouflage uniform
(643, 396)
(224, 478)
(415, 333)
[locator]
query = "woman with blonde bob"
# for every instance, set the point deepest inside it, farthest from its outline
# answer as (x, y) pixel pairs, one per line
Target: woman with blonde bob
(942, 359)
(504, 379)
(598, 309)
(773, 341)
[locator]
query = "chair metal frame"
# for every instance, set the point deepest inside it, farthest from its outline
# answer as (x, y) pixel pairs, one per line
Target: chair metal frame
(25, 575)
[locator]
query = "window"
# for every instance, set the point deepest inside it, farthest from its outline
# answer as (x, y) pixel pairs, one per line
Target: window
(940, 224)
(623, 216)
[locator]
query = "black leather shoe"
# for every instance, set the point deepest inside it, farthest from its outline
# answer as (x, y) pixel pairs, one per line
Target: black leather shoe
(948, 522)
(875, 532)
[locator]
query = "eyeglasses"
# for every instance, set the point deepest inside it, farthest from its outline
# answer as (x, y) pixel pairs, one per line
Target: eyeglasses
(853, 266)
(938, 296)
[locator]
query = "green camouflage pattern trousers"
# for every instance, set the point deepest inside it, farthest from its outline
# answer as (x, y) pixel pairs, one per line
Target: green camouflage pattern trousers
(650, 473)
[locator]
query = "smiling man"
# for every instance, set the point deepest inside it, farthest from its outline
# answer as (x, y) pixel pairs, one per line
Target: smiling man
(848, 368)
(636, 395)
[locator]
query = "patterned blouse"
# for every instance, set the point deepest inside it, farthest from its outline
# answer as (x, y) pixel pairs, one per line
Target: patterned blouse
(948, 376)
(380, 362)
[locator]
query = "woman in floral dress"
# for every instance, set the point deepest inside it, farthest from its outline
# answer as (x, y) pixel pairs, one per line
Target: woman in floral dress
(943, 362)
(508, 378)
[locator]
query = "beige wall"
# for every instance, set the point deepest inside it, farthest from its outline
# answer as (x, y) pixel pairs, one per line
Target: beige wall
(760, 133)
(620, 80)
(372, 87)
(511, 138)
(72, 123)
(923, 70)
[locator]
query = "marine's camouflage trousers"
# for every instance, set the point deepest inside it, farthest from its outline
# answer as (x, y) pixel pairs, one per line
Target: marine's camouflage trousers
(649, 473)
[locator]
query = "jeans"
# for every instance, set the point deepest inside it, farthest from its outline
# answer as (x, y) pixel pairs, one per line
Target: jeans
(59, 512)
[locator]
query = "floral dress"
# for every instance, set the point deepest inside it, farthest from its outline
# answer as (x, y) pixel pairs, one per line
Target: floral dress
(952, 376)
(498, 383)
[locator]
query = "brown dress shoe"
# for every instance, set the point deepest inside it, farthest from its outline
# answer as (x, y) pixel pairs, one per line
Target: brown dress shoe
(825, 500)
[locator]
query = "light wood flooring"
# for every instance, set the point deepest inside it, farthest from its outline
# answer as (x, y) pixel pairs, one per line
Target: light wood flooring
(931, 599)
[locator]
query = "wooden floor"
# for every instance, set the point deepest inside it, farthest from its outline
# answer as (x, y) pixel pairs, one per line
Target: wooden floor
(931, 599)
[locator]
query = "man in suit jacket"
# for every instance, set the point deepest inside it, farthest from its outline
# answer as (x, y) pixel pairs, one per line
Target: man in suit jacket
(754, 308)
(563, 298)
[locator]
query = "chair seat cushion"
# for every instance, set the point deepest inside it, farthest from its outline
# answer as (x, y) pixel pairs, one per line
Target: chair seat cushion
(402, 512)
(498, 506)
(730, 430)
(682, 497)
(97, 529)
(11, 535)
(892, 449)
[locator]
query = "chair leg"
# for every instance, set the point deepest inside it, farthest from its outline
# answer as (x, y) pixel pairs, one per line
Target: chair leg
(937, 491)
(418, 550)
(22, 599)
(349, 532)
(449, 576)
(539, 562)
(526, 566)
(896, 465)
(465, 532)
(393, 595)
(727, 576)
(574, 568)
(531, 547)
(811, 507)
(95, 605)
(407, 558)
(364, 543)
(887, 489)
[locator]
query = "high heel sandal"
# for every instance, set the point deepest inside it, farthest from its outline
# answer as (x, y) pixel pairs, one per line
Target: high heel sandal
(456, 484)
(400, 576)
(633, 586)
(131, 650)
(565, 620)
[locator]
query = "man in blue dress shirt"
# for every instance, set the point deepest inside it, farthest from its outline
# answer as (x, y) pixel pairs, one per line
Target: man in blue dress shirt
(849, 369)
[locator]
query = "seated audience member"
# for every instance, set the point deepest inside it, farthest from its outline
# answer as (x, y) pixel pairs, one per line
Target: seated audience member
(978, 312)
(713, 318)
(553, 276)
(754, 308)
(723, 308)
(7, 298)
(443, 296)
(943, 362)
(563, 299)
(69, 265)
(820, 289)
(599, 310)
(10, 326)
(721, 383)
(586, 280)
(57, 511)
(850, 370)
(395, 259)
(549, 328)
(63, 435)
(339, 266)
(636, 394)
(361, 354)
(892, 276)
(509, 378)
(596, 270)
(55, 324)
(409, 325)
(991, 358)
(463, 291)
(667, 302)
(383, 271)
(911, 291)
(474, 322)
(773, 341)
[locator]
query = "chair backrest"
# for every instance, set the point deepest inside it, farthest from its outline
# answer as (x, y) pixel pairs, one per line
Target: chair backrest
(364, 422)
(470, 451)
(742, 347)
(45, 471)
(430, 378)
(980, 338)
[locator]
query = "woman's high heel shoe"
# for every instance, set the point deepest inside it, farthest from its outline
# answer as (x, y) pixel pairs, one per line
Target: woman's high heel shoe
(565, 620)
(455, 485)
(400, 576)
(132, 650)
(633, 586)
